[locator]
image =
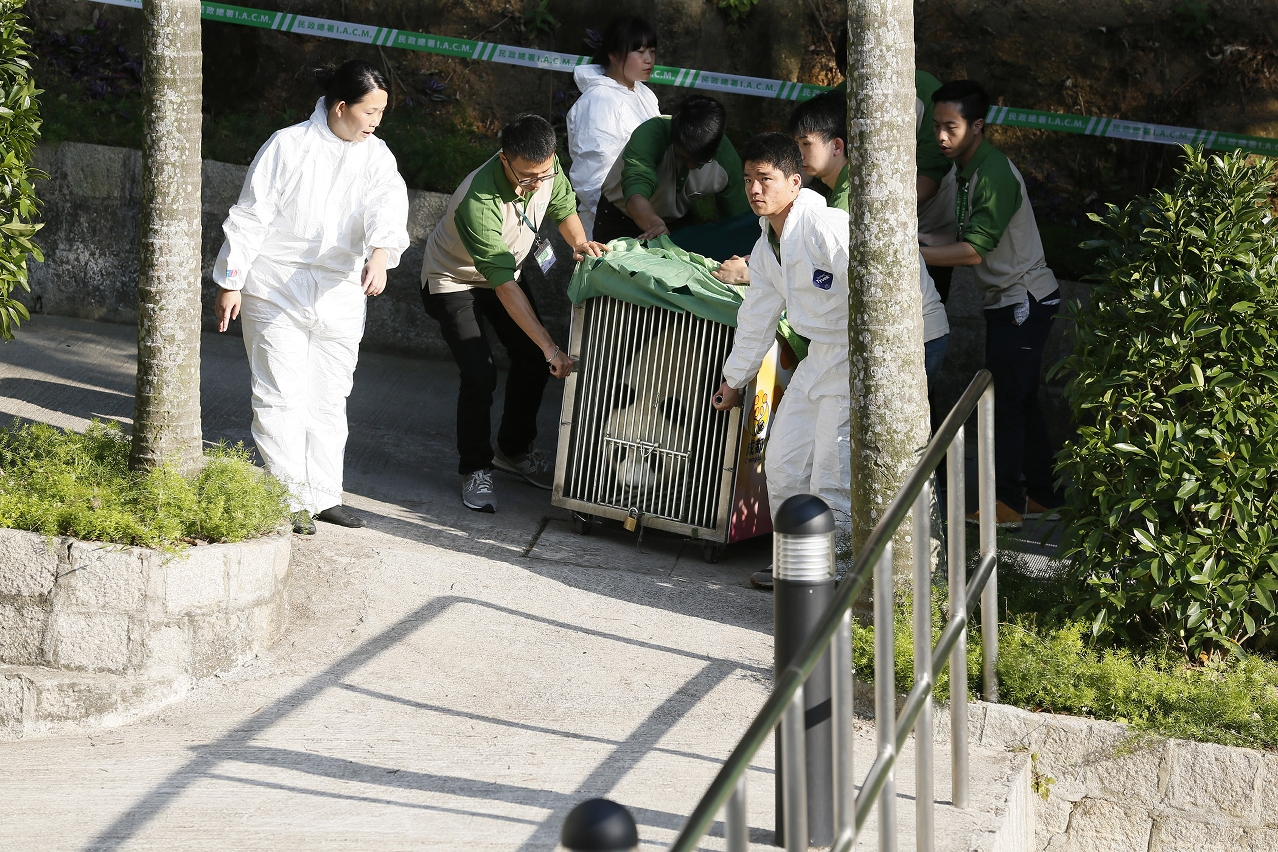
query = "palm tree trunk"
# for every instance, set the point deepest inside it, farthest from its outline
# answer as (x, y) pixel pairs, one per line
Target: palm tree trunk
(166, 424)
(889, 410)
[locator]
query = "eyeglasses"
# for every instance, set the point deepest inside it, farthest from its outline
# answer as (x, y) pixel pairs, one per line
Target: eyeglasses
(525, 183)
(533, 181)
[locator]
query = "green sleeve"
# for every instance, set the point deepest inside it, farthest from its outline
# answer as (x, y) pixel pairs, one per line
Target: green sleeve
(642, 157)
(732, 201)
(479, 220)
(993, 201)
(839, 194)
(563, 201)
(929, 161)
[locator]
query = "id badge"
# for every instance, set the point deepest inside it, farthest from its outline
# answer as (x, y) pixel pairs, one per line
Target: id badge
(544, 254)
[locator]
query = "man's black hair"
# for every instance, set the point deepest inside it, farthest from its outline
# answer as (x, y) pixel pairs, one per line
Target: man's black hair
(973, 102)
(530, 137)
(773, 149)
(623, 34)
(825, 116)
(696, 127)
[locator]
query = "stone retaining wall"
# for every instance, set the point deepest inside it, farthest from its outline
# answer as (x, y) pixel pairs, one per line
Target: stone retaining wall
(95, 632)
(1111, 790)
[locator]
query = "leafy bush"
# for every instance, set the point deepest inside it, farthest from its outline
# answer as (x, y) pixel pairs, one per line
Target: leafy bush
(19, 126)
(64, 483)
(1172, 500)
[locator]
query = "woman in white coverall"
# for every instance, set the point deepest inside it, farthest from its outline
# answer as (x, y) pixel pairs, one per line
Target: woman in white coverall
(799, 265)
(614, 101)
(322, 216)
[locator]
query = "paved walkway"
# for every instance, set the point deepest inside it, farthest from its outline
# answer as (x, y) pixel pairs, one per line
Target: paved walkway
(449, 680)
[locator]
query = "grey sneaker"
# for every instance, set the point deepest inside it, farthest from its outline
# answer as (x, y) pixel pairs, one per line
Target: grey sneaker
(532, 467)
(477, 492)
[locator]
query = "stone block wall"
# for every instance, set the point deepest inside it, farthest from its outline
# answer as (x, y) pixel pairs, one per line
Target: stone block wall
(86, 629)
(1114, 790)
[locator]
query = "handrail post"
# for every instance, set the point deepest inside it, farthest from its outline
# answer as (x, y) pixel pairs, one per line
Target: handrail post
(989, 545)
(956, 541)
(885, 692)
(923, 790)
(794, 776)
(841, 710)
(737, 821)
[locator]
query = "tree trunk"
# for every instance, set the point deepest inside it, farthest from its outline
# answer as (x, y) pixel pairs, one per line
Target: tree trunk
(166, 422)
(889, 410)
(787, 35)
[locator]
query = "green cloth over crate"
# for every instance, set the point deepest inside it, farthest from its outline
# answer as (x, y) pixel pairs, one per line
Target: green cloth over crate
(659, 275)
(665, 276)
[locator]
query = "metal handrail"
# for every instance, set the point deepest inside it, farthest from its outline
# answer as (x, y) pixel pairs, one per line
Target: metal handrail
(875, 557)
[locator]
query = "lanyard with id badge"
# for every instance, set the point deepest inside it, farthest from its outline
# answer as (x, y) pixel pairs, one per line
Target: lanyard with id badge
(542, 250)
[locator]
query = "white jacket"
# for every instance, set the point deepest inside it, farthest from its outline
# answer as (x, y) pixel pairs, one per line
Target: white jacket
(810, 283)
(312, 200)
(599, 126)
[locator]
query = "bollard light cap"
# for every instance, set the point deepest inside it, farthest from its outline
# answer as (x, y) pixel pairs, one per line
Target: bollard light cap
(804, 514)
(599, 825)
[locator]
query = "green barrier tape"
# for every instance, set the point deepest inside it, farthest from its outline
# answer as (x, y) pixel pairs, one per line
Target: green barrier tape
(1110, 128)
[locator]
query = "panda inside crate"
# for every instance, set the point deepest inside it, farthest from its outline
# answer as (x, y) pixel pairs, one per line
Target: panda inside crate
(646, 437)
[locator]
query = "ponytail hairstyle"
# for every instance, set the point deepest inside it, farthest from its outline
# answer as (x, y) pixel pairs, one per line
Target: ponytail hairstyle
(623, 34)
(350, 82)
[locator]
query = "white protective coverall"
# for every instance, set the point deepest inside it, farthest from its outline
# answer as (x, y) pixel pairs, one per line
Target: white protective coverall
(809, 450)
(312, 209)
(599, 126)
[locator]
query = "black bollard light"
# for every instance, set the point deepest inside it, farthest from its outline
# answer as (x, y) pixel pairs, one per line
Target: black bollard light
(599, 825)
(803, 588)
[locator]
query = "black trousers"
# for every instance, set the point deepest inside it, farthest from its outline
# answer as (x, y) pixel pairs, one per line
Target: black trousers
(1014, 354)
(458, 315)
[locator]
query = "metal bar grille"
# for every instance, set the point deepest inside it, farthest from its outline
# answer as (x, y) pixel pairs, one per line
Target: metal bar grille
(643, 436)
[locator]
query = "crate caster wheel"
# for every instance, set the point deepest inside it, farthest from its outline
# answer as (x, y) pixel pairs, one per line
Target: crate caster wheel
(711, 553)
(582, 524)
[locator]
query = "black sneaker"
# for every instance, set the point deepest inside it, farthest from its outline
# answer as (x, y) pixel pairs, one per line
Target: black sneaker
(762, 580)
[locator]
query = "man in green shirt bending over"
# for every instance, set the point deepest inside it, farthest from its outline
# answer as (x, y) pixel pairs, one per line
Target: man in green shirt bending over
(471, 270)
(998, 237)
(669, 163)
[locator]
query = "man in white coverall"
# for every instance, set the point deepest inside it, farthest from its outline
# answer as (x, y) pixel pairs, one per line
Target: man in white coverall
(322, 215)
(799, 265)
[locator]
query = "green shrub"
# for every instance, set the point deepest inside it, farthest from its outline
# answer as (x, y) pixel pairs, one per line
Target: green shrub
(19, 126)
(1172, 494)
(65, 483)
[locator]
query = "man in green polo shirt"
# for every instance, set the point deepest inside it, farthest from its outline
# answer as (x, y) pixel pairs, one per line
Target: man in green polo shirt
(669, 164)
(998, 237)
(471, 270)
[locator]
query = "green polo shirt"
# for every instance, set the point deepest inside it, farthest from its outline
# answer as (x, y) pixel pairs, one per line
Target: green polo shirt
(839, 194)
(929, 161)
(991, 202)
(483, 219)
(646, 161)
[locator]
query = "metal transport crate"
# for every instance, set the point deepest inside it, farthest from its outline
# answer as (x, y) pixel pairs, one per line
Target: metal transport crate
(638, 440)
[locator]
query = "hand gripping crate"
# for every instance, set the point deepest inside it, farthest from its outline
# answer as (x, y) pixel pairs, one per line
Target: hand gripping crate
(638, 439)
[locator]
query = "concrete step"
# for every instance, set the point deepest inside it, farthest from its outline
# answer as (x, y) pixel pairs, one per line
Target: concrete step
(36, 701)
